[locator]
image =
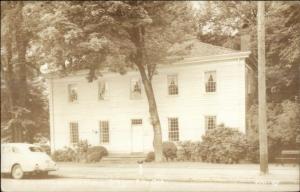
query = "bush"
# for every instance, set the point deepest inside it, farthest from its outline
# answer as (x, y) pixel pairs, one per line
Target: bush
(223, 145)
(99, 149)
(83, 155)
(81, 151)
(64, 155)
(150, 157)
(188, 151)
(169, 150)
(95, 154)
(94, 157)
(283, 127)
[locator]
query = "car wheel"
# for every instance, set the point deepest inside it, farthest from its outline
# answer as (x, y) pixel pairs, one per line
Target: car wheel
(17, 172)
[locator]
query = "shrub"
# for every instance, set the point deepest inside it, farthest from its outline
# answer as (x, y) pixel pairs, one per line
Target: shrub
(98, 149)
(64, 155)
(83, 155)
(94, 157)
(95, 154)
(150, 157)
(81, 151)
(283, 127)
(188, 151)
(169, 150)
(253, 150)
(223, 145)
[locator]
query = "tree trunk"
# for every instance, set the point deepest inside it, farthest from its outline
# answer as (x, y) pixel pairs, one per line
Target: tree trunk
(157, 140)
(137, 36)
(8, 73)
(21, 43)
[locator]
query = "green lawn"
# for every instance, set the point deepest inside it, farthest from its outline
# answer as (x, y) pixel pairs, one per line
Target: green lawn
(173, 165)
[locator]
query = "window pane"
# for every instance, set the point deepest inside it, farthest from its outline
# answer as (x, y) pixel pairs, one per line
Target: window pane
(173, 129)
(210, 122)
(136, 90)
(72, 91)
(35, 149)
(74, 135)
(172, 85)
(104, 132)
(136, 121)
(210, 81)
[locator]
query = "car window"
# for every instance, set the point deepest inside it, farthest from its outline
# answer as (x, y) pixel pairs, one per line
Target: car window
(35, 149)
(6, 149)
(15, 150)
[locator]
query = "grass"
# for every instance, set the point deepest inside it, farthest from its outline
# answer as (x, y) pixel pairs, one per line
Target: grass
(189, 165)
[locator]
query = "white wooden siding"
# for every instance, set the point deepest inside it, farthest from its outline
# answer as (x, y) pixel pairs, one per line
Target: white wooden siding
(191, 105)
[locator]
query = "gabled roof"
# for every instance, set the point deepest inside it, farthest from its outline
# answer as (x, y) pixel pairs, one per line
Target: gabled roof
(193, 50)
(196, 48)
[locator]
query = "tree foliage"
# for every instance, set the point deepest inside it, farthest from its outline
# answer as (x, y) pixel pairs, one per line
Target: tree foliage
(223, 22)
(282, 125)
(115, 36)
(24, 113)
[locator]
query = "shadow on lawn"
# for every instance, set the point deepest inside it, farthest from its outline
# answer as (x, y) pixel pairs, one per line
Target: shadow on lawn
(32, 176)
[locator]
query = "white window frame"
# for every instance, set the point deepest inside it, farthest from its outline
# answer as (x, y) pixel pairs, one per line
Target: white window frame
(169, 78)
(72, 134)
(72, 86)
(173, 135)
(135, 96)
(206, 122)
(215, 81)
(136, 121)
(104, 137)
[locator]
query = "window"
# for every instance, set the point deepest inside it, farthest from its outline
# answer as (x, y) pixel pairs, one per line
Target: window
(210, 122)
(136, 90)
(172, 85)
(210, 81)
(74, 136)
(173, 129)
(6, 149)
(104, 132)
(35, 149)
(136, 121)
(102, 90)
(15, 150)
(73, 95)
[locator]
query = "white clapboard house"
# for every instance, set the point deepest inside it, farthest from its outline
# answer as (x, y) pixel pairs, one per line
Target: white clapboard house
(206, 88)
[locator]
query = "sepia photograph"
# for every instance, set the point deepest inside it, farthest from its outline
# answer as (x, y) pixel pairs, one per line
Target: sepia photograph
(156, 96)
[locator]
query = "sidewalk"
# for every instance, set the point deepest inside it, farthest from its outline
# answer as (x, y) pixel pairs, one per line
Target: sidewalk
(182, 172)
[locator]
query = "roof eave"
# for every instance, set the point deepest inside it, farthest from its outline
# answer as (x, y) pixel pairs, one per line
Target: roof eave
(185, 61)
(237, 55)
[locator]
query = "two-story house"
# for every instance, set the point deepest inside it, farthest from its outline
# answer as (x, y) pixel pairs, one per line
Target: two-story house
(208, 87)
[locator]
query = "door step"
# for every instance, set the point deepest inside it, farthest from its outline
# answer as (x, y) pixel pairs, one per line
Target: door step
(124, 158)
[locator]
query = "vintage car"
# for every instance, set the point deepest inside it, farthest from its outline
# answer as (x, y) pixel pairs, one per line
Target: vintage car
(22, 158)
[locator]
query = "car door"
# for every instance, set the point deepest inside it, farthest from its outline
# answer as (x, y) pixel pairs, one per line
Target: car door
(6, 159)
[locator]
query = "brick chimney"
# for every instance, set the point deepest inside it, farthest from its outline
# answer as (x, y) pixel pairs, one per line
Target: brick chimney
(245, 38)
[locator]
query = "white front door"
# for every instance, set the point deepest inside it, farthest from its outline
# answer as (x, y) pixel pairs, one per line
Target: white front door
(137, 144)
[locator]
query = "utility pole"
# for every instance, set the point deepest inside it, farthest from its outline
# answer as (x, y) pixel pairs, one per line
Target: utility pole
(262, 120)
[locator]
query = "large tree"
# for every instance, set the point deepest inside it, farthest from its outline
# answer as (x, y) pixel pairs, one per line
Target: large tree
(23, 106)
(118, 36)
(223, 22)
